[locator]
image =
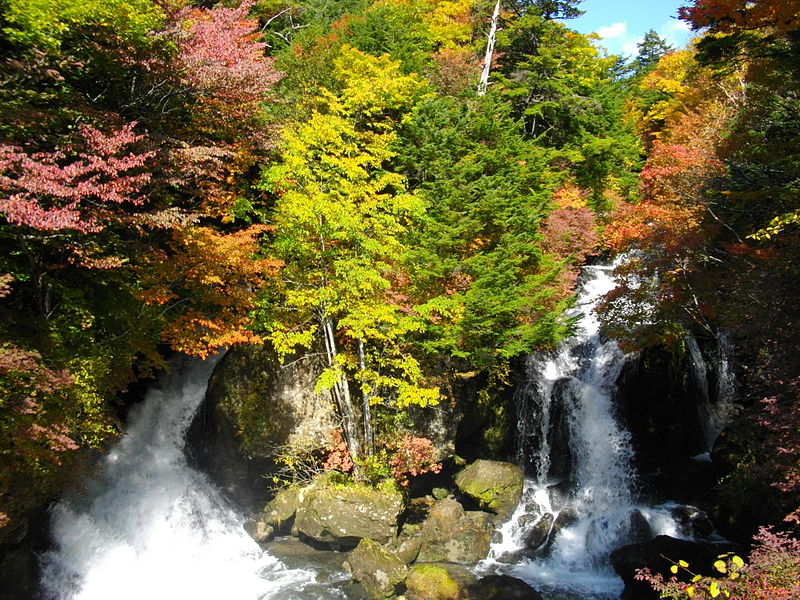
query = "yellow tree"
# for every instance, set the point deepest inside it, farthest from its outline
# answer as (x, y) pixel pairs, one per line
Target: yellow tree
(340, 219)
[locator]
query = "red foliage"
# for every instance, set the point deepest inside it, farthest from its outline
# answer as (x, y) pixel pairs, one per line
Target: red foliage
(69, 189)
(412, 456)
(221, 54)
(338, 456)
(454, 70)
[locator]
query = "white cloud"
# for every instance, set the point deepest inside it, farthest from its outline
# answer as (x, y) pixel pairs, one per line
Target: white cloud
(612, 31)
(676, 32)
(631, 48)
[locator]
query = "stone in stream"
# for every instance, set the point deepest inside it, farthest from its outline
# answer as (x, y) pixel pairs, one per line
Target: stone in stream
(497, 486)
(539, 533)
(432, 582)
(567, 517)
(502, 587)
(376, 569)
(658, 555)
(452, 535)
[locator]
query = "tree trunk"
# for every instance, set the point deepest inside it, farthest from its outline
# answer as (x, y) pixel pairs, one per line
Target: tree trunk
(369, 440)
(341, 393)
(487, 61)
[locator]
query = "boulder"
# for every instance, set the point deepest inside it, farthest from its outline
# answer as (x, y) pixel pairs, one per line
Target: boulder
(280, 511)
(254, 406)
(539, 533)
(658, 555)
(259, 531)
(407, 544)
(502, 587)
(377, 570)
(431, 582)
(497, 486)
(345, 514)
(452, 535)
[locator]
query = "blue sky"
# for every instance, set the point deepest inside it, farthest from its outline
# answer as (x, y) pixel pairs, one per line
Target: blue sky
(623, 23)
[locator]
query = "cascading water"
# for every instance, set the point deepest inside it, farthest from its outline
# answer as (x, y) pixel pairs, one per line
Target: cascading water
(150, 527)
(580, 504)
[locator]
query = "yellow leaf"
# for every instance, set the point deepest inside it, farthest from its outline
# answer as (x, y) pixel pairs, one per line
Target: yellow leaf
(683, 563)
(713, 589)
(674, 568)
(721, 566)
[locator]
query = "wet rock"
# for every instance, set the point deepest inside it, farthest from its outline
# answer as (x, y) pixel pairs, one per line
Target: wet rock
(558, 434)
(377, 570)
(567, 517)
(452, 535)
(558, 494)
(431, 582)
(280, 511)
(345, 514)
(639, 529)
(497, 486)
(259, 531)
(692, 521)
(496, 537)
(658, 555)
(502, 587)
(538, 535)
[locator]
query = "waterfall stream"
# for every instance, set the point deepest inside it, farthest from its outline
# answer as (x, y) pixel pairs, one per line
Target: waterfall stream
(581, 502)
(147, 526)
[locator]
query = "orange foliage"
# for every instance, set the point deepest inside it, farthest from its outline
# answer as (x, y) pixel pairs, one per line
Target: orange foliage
(732, 16)
(209, 280)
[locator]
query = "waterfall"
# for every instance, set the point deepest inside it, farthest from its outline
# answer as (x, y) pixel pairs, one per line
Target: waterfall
(147, 526)
(717, 388)
(580, 503)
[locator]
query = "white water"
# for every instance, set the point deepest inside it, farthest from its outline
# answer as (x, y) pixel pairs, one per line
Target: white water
(717, 408)
(600, 479)
(149, 527)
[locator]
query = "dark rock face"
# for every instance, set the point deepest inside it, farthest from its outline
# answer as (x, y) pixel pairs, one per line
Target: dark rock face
(628, 559)
(659, 402)
(253, 406)
(497, 486)
(502, 587)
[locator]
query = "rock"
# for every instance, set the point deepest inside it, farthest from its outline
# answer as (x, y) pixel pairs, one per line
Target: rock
(692, 521)
(440, 493)
(539, 534)
(451, 535)
(259, 531)
(659, 554)
(497, 486)
(431, 582)
(406, 546)
(344, 515)
(639, 529)
(562, 407)
(567, 517)
(253, 406)
(558, 493)
(280, 511)
(502, 587)
(376, 569)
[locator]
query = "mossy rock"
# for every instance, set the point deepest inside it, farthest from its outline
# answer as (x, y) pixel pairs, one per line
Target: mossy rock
(345, 514)
(497, 486)
(280, 511)
(452, 535)
(377, 570)
(431, 582)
